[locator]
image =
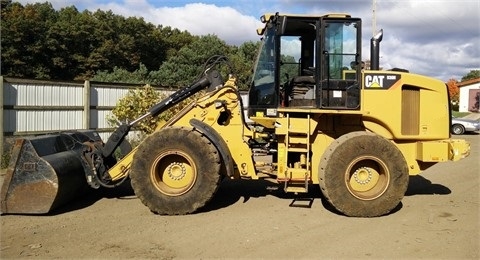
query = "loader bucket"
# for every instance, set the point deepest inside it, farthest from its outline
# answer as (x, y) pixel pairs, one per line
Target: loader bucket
(44, 173)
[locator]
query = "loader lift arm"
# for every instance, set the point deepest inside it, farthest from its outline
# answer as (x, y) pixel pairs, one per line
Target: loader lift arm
(102, 158)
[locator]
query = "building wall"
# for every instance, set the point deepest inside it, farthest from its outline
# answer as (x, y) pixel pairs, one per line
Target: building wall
(465, 103)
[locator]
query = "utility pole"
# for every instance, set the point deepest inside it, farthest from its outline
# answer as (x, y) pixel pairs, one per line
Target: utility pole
(374, 17)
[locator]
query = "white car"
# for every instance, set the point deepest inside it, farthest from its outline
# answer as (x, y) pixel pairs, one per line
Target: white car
(461, 125)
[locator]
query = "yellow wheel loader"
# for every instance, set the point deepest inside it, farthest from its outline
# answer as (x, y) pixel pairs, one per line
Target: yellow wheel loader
(322, 118)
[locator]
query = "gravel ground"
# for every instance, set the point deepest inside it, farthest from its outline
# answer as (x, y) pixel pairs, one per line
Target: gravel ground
(437, 219)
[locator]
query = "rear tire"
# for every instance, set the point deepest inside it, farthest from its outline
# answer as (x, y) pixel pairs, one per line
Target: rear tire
(458, 129)
(175, 171)
(363, 175)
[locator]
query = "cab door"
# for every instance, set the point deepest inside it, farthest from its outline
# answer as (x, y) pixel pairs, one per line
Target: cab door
(340, 49)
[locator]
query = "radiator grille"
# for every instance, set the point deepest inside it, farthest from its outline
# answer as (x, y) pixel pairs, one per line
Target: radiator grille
(410, 111)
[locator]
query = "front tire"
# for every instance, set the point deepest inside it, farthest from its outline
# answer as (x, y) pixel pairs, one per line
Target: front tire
(363, 175)
(175, 171)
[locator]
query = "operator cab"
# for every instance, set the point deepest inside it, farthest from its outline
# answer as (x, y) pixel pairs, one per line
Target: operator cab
(307, 62)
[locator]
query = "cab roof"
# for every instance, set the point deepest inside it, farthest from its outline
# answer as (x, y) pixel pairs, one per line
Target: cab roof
(298, 24)
(266, 17)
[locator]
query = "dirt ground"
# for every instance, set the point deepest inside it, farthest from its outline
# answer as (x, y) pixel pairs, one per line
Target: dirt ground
(438, 218)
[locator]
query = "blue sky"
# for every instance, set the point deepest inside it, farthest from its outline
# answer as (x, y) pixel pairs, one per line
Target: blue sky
(437, 38)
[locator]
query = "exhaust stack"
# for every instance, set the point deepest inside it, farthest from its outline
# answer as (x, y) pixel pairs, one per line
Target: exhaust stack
(375, 50)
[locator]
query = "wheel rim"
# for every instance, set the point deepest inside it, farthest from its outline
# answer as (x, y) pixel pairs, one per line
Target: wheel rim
(173, 173)
(367, 178)
(457, 130)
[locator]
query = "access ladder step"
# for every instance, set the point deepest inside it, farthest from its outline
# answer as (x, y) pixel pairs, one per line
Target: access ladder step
(296, 189)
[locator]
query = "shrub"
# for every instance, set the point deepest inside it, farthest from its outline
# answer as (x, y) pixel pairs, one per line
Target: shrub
(455, 107)
(5, 160)
(134, 104)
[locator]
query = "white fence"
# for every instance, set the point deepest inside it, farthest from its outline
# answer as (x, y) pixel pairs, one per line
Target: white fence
(35, 107)
(32, 107)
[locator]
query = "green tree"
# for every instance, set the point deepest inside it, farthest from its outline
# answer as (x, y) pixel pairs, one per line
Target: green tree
(24, 52)
(71, 42)
(5, 3)
(186, 66)
(120, 42)
(288, 68)
(40, 42)
(473, 74)
(120, 75)
(243, 59)
(174, 40)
